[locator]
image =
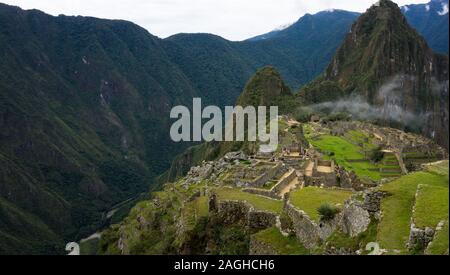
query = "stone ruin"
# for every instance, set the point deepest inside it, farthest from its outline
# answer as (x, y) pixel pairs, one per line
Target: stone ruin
(354, 219)
(241, 212)
(321, 173)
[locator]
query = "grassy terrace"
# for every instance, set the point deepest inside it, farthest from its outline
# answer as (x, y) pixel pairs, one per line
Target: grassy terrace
(351, 152)
(343, 150)
(431, 206)
(309, 199)
(393, 230)
(283, 245)
(440, 244)
(259, 202)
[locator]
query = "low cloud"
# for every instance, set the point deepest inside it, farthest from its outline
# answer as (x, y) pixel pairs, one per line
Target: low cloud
(389, 105)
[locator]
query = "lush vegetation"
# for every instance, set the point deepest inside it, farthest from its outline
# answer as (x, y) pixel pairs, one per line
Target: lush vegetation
(327, 212)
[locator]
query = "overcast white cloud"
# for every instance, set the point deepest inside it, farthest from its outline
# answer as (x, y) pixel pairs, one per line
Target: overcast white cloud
(232, 19)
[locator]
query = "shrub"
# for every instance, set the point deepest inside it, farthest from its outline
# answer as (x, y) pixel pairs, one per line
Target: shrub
(376, 155)
(327, 212)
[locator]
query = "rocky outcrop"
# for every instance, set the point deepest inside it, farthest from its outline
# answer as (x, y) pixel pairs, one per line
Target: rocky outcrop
(199, 173)
(419, 238)
(355, 219)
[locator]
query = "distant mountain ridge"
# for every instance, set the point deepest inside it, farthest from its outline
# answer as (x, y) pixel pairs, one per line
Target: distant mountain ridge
(430, 20)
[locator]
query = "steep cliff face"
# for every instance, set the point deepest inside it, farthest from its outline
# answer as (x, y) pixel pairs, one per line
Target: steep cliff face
(384, 61)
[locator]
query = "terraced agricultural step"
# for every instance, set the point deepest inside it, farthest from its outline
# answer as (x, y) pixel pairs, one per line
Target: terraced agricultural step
(391, 170)
(390, 175)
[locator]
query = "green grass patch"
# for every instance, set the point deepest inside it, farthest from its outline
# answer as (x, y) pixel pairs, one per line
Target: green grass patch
(440, 244)
(309, 199)
(393, 230)
(431, 206)
(283, 245)
(259, 202)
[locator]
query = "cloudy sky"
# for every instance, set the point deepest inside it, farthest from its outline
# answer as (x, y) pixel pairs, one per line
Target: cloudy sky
(232, 19)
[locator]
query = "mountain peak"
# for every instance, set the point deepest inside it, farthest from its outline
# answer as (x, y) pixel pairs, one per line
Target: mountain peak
(380, 43)
(264, 89)
(387, 63)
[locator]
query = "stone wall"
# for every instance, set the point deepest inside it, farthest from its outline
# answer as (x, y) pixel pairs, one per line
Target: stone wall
(355, 219)
(419, 238)
(241, 212)
(349, 180)
(372, 201)
(326, 180)
(284, 182)
(274, 192)
(264, 178)
(260, 248)
(307, 231)
(258, 220)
